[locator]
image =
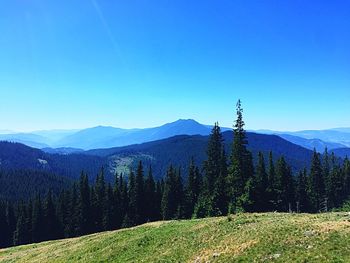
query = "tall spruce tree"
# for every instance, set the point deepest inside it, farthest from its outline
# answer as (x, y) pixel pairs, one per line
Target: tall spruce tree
(220, 193)
(50, 219)
(130, 216)
(21, 234)
(336, 193)
(159, 195)
(139, 195)
(11, 219)
(37, 220)
(272, 195)
(326, 173)
(150, 203)
(124, 198)
(261, 194)
(316, 182)
(192, 188)
(346, 169)
(84, 206)
(169, 204)
(241, 168)
(212, 200)
(179, 195)
(302, 198)
(285, 186)
(100, 208)
(117, 213)
(62, 214)
(73, 218)
(6, 236)
(107, 220)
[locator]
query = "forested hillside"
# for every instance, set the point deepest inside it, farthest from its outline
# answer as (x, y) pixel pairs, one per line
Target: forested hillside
(14, 156)
(23, 184)
(179, 150)
(226, 183)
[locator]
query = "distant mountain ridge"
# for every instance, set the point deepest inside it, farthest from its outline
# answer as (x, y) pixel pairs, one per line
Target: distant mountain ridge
(106, 136)
(66, 141)
(311, 144)
(331, 136)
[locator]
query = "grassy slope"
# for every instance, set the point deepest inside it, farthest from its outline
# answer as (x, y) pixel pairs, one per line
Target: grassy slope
(246, 238)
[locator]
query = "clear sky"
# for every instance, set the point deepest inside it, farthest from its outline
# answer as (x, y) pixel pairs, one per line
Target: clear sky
(82, 63)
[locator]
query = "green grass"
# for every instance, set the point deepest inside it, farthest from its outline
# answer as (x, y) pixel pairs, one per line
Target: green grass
(270, 237)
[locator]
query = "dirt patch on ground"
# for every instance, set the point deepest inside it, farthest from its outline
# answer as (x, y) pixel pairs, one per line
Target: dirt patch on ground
(230, 247)
(326, 227)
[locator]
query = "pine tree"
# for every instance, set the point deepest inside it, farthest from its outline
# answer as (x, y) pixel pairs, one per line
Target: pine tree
(192, 188)
(285, 185)
(346, 170)
(247, 199)
(107, 220)
(29, 219)
(21, 234)
(336, 193)
(100, 201)
(272, 195)
(214, 193)
(261, 195)
(159, 195)
(73, 218)
(139, 195)
(150, 197)
(5, 237)
(11, 220)
(220, 193)
(37, 221)
(241, 169)
(132, 198)
(302, 198)
(169, 205)
(62, 214)
(179, 196)
(212, 166)
(50, 219)
(84, 206)
(316, 184)
(124, 199)
(327, 173)
(117, 213)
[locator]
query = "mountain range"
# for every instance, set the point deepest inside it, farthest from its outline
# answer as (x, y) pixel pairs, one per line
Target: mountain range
(68, 141)
(67, 163)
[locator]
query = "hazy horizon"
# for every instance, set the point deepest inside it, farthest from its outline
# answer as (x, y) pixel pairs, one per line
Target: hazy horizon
(8, 131)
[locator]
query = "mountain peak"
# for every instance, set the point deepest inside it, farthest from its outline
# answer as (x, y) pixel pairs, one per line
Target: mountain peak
(186, 121)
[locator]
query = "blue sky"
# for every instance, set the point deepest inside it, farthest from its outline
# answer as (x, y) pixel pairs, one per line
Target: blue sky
(82, 63)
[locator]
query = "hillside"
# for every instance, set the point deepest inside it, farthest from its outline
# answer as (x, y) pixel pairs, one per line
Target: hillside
(19, 156)
(270, 237)
(23, 184)
(178, 151)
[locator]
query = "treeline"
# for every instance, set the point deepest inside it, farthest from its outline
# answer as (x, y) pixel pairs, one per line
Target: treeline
(225, 184)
